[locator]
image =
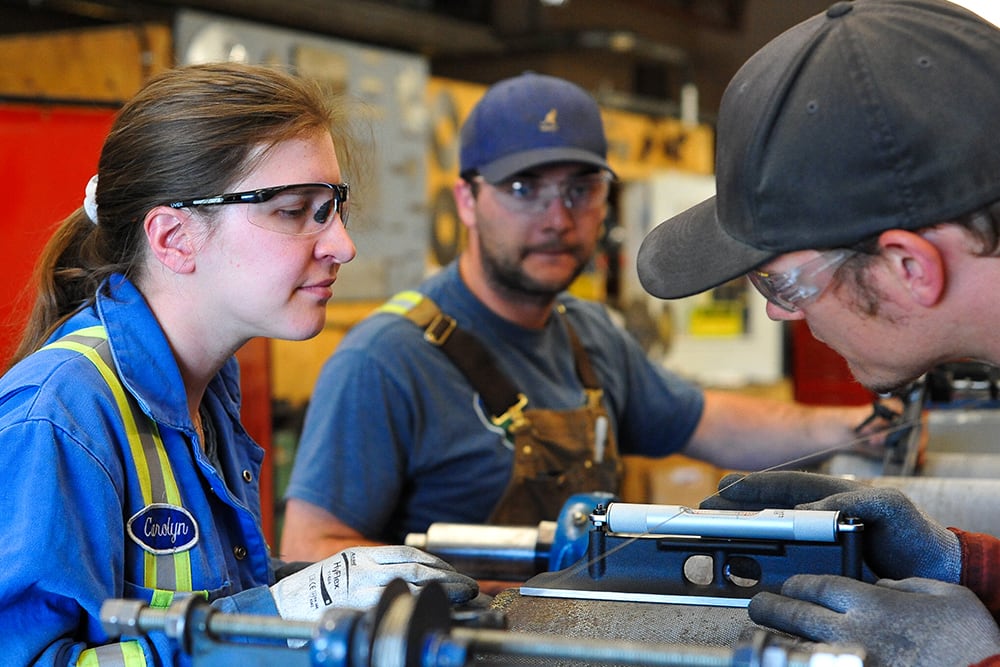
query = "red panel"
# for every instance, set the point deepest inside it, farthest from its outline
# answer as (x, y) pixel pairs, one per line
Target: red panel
(255, 386)
(47, 155)
(820, 375)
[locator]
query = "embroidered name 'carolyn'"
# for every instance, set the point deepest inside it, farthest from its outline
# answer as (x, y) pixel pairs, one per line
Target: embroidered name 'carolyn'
(161, 528)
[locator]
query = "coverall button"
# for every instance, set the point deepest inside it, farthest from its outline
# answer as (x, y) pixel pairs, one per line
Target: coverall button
(247, 477)
(240, 552)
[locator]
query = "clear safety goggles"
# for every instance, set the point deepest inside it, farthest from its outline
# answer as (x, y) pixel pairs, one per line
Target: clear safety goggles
(528, 195)
(800, 284)
(299, 209)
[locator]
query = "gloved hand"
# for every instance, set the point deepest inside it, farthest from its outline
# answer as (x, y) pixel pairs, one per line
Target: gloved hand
(898, 623)
(356, 577)
(900, 541)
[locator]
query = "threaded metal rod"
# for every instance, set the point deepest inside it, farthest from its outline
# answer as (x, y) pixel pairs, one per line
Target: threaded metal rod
(505, 643)
(231, 625)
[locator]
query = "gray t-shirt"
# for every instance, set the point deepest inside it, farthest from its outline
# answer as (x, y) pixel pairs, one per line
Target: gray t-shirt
(395, 438)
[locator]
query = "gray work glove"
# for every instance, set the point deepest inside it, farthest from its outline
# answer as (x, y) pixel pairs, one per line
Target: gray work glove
(355, 578)
(900, 541)
(898, 623)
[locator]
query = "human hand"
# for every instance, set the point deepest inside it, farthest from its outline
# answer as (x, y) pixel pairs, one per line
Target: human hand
(900, 541)
(895, 430)
(356, 577)
(898, 623)
(879, 427)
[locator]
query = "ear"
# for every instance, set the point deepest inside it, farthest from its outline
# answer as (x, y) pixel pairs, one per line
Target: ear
(917, 263)
(170, 239)
(465, 202)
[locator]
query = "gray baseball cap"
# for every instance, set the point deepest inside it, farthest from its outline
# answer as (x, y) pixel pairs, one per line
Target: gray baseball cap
(876, 114)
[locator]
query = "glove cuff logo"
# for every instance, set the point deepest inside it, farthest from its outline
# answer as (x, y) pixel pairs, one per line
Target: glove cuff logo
(160, 528)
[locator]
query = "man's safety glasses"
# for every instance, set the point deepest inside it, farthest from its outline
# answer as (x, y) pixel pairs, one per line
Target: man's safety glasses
(299, 209)
(529, 195)
(801, 284)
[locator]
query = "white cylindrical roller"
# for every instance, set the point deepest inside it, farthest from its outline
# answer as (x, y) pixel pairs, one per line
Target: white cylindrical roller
(769, 524)
(509, 553)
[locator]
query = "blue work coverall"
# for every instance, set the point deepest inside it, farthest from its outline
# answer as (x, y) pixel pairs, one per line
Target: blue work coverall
(82, 520)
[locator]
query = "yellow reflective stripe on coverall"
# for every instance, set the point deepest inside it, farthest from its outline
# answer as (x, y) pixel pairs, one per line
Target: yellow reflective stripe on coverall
(165, 573)
(126, 654)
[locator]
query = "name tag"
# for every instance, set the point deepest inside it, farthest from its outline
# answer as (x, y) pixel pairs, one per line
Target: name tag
(161, 528)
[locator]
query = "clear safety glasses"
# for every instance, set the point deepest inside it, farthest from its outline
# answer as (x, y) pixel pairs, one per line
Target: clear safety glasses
(801, 284)
(528, 195)
(300, 209)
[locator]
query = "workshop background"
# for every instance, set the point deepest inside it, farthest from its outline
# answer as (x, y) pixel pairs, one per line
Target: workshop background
(657, 68)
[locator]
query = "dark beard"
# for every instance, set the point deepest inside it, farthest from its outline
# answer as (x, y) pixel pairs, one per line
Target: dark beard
(508, 279)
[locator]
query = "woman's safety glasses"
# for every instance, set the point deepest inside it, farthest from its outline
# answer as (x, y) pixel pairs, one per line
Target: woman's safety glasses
(304, 208)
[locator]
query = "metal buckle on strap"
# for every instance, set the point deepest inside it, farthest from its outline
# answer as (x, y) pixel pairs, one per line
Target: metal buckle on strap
(594, 397)
(440, 328)
(512, 418)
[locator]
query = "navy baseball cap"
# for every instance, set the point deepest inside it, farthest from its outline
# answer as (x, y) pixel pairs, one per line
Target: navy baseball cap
(874, 115)
(530, 120)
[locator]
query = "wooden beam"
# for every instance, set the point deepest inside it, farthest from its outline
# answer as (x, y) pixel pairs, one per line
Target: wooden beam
(87, 65)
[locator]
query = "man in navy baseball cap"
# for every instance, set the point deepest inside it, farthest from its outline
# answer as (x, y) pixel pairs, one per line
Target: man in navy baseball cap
(530, 120)
(858, 188)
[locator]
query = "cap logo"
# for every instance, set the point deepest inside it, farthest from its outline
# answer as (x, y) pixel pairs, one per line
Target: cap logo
(550, 123)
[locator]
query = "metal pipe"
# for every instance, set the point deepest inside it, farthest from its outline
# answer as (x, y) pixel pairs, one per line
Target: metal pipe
(502, 643)
(506, 553)
(121, 616)
(758, 651)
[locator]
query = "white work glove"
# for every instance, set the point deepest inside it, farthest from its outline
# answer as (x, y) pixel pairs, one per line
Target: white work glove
(355, 578)
(898, 623)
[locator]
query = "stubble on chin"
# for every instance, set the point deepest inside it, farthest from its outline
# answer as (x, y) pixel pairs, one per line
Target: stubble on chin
(882, 385)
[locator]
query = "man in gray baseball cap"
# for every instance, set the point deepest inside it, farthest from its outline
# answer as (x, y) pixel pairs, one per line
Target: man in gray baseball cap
(490, 392)
(858, 187)
(871, 116)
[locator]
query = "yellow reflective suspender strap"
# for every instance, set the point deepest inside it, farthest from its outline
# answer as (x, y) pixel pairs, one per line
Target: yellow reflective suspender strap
(423, 312)
(165, 573)
(125, 654)
(501, 397)
(402, 303)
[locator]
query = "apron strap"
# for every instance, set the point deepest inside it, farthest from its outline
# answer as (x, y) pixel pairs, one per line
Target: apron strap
(583, 368)
(467, 352)
(504, 402)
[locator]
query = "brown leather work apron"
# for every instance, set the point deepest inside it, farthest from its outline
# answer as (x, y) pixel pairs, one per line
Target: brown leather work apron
(557, 453)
